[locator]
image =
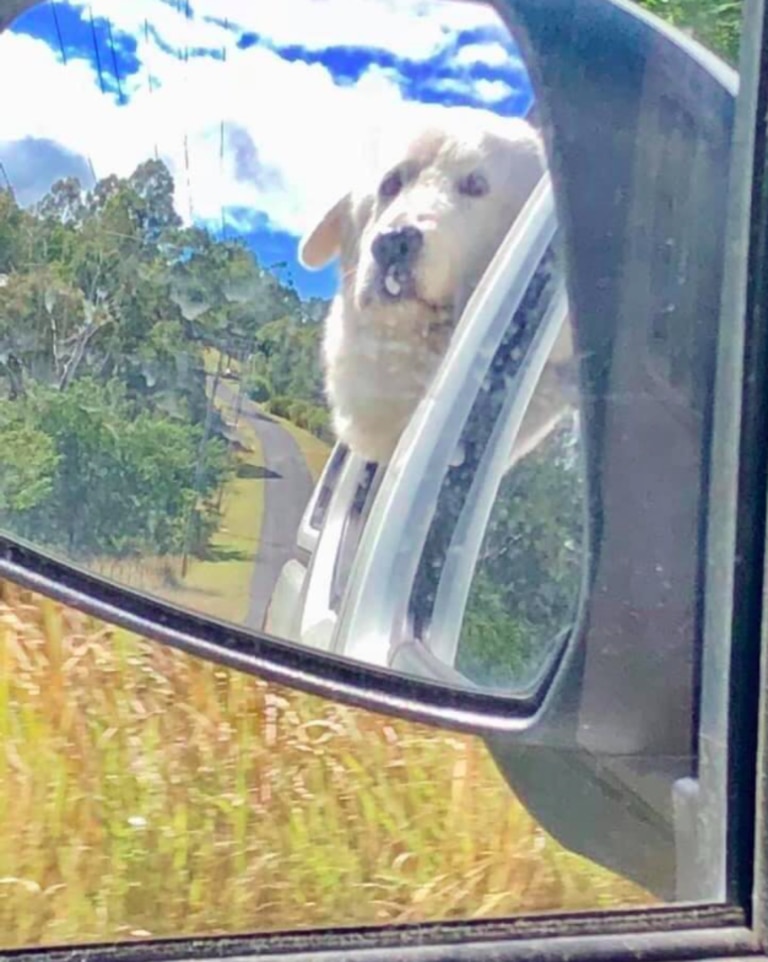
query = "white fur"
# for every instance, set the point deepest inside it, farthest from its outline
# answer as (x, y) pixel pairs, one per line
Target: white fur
(380, 355)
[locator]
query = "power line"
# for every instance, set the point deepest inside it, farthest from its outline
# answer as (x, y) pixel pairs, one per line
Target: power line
(7, 179)
(114, 63)
(189, 179)
(57, 27)
(150, 79)
(96, 50)
(221, 147)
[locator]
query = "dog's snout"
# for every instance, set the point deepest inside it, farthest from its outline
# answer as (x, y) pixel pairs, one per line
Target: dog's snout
(397, 247)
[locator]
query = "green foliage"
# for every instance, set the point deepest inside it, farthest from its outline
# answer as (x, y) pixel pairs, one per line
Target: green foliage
(10, 220)
(526, 583)
(287, 352)
(303, 414)
(258, 388)
(716, 24)
(108, 481)
(107, 305)
(28, 465)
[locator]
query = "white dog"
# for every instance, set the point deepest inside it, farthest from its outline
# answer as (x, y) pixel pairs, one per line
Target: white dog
(412, 248)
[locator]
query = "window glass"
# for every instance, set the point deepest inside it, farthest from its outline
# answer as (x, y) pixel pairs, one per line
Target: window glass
(185, 409)
(527, 579)
(135, 777)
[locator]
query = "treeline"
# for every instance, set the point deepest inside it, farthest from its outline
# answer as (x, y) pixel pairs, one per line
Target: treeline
(111, 442)
(284, 373)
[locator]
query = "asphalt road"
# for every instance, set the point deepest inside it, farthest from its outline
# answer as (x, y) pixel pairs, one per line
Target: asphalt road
(287, 487)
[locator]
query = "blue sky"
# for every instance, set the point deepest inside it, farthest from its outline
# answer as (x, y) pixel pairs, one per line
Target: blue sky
(261, 110)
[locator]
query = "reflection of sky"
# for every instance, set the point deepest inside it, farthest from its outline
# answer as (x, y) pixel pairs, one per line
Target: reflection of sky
(259, 109)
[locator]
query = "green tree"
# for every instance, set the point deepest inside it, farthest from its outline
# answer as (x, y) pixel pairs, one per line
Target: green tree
(110, 483)
(287, 353)
(28, 465)
(10, 231)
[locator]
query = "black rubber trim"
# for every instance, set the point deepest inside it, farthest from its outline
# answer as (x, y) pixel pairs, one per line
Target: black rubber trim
(654, 935)
(255, 653)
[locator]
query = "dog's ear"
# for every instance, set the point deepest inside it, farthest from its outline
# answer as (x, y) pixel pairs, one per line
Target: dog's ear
(322, 244)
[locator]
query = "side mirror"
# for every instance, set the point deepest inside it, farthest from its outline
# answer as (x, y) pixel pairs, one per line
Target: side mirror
(428, 584)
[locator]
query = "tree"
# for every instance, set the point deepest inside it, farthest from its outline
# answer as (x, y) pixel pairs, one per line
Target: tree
(28, 465)
(153, 187)
(10, 230)
(287, 354)
(45, 327)
(107, 482)
(64, 203)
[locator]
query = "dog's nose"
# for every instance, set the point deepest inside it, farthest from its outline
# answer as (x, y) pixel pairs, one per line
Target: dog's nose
(397, 247)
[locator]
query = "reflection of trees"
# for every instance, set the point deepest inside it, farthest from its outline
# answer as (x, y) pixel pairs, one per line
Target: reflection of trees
(526, 583)
(108, 307)
(715, 23)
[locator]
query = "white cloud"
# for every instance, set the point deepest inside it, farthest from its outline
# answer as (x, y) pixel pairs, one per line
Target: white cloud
(416, 29)
(492, 91)
(301, 136)
(488, 54)
(488, 91)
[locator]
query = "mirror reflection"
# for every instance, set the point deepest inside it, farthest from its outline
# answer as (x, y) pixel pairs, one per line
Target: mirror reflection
(232, 268)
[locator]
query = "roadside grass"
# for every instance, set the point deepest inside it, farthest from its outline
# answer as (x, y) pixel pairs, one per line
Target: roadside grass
(314, 451)
(143, 792)
(219, 584)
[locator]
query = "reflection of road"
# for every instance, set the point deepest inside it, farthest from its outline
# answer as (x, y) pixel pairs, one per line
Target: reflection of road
(287, 487)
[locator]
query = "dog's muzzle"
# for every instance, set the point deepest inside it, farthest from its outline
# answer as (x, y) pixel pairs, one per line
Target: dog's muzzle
(395, 252)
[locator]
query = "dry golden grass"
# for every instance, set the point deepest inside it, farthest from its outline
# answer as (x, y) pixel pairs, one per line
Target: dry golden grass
(142, 791)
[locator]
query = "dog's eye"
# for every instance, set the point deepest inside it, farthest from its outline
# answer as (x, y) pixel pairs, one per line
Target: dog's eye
(391, 185)
(474, 184)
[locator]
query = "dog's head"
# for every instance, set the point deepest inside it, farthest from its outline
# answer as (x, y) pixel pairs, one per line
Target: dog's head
(414, 244)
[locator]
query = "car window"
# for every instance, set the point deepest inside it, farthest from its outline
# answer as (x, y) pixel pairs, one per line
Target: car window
(172, 192)
(527, 581)
(504, 555)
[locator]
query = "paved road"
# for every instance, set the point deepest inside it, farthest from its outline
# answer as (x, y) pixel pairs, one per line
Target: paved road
(287, 487)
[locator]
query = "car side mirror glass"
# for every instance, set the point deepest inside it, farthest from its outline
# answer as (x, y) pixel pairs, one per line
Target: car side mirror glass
(170, 397)
(415, 399)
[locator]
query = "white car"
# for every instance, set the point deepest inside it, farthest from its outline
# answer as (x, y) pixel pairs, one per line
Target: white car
(386, 557)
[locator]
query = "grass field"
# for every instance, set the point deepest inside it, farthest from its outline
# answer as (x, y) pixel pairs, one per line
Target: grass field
(144, 792)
